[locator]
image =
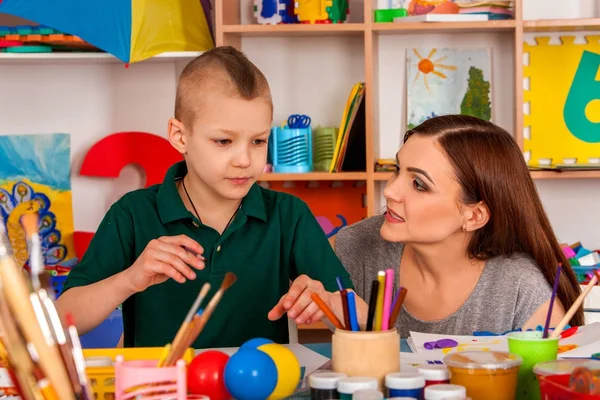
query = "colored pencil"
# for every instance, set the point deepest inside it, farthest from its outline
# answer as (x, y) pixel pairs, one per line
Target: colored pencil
(340, 283)
(372, 304)
(387, 299)
(379, 306)
(327, 311)
(352, 311)
(344, 294)
(554, 290)
(397, 306)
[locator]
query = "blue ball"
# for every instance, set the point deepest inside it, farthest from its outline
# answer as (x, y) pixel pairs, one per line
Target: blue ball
(255, 343)
(250, 374)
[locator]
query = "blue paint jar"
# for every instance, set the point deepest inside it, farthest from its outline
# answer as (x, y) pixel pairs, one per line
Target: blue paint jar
(405, 384)
(347, 386)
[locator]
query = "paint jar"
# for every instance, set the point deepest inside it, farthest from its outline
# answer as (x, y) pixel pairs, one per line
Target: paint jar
(367, 394)
(323, 385)
(563, 376)
(405, 384)
(347, 386)
(366, 353)
(533, 349)
(487, 375)
(435, 374)
(444, 391)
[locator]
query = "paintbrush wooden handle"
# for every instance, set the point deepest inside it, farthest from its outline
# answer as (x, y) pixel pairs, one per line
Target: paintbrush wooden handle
(573, 309)
(177, 343)
(17, 296)
(196, 328)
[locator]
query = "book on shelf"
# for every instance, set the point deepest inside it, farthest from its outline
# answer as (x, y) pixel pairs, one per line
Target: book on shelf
(350, 148)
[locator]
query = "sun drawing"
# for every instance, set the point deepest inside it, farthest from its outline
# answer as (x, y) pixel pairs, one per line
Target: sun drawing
(428, 66)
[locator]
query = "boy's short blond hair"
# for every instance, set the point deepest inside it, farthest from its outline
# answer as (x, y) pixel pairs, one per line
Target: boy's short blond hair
(223, 69)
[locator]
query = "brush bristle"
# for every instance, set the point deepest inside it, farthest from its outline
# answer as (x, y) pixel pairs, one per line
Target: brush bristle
(30, 224)
(229, 280)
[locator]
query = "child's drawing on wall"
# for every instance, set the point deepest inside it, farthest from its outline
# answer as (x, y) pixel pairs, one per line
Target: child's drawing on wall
(448, 81)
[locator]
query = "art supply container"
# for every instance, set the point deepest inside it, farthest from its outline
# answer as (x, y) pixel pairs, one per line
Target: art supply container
(366, 353)
(367, 394)
(133, 378)
(324, 141)
(533, 349)
(323, 385)
(101, 371)
(487, 375)
(291, 149)
(555, 377)
(347, 386)
(405, 384)
(435, 374)
(445, 391)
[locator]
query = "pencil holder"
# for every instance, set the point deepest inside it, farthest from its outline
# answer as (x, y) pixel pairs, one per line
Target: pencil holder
(143, 378)
(324, 140)
(291, 149)
(366, 353)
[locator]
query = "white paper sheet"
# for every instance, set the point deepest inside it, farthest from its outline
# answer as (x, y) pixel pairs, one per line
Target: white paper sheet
(307, 358)
(465, 343)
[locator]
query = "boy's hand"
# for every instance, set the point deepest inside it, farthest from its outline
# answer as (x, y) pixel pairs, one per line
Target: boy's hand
(164, 258)
(298, 304)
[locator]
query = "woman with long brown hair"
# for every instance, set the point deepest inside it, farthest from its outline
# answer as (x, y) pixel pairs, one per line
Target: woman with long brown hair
(465, 231)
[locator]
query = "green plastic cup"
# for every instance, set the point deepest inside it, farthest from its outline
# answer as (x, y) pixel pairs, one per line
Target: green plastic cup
(533, 349)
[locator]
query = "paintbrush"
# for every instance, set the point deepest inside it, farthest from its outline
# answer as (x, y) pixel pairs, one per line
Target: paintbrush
(188, 319)
(576, 304)
(19, 357)
(554, 290)
(17, 291)
(196, 328)
(78, 358)
(40, 281)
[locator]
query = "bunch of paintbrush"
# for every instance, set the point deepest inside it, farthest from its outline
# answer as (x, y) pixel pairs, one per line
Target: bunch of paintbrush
(47, 361)
(195, 321)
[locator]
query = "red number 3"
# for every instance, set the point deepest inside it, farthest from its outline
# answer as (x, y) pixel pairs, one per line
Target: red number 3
(106, 158)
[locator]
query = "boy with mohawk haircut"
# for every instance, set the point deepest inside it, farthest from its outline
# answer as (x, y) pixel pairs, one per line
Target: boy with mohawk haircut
(156, 247)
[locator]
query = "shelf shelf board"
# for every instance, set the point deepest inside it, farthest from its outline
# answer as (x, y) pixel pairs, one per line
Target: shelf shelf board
(314, 176)
(383, 176)
(89, 57)
(578, 174)
(296, 29)
(557, 25)
(433, 27)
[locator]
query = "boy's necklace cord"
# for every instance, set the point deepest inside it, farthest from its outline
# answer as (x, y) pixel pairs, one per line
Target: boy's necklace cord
(196, 211)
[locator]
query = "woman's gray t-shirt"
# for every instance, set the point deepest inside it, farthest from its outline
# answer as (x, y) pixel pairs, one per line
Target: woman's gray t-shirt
(508, 292)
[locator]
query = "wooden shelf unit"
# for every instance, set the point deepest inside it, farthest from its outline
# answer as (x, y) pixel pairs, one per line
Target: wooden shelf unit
(229, 30)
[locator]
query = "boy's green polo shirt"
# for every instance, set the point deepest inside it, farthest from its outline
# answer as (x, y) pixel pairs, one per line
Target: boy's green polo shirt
(273, 239)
